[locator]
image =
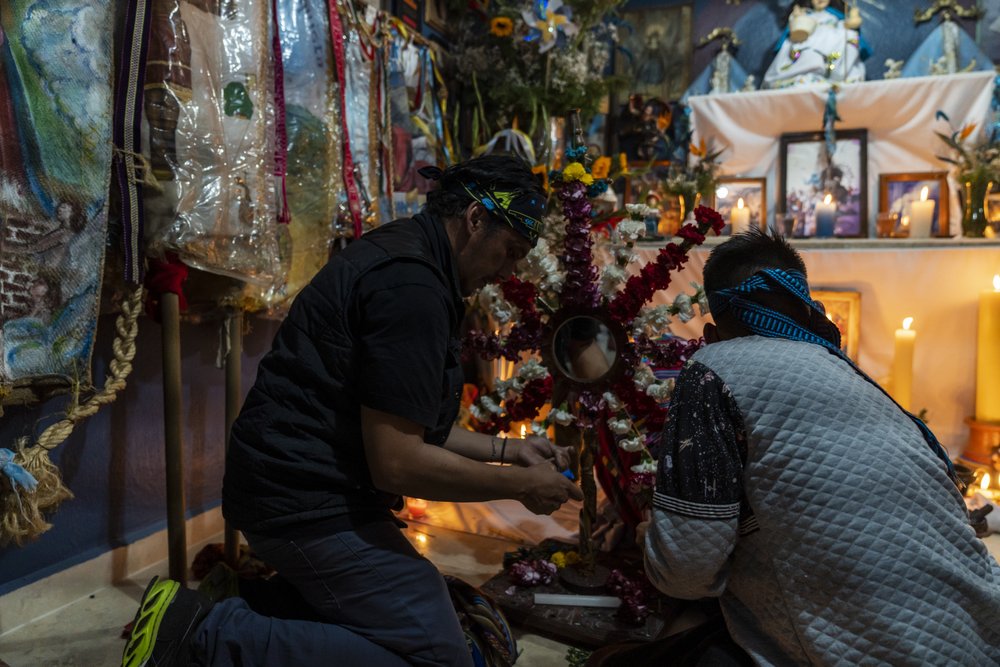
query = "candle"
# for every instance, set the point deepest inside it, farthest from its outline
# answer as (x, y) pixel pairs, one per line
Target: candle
(416, 507)
(740, 218)
(826, 217)
(985, 488)
(921, 216)
(902, 364)
(988, 355)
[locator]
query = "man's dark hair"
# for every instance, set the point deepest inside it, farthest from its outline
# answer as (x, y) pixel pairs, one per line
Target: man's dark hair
(496, 172)
(745, 254)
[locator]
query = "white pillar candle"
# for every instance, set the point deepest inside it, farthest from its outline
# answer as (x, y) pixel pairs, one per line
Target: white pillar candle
(740, 218)
(921, 216)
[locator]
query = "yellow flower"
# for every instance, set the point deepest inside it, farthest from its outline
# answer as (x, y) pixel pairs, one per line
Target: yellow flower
(572, 557)
(559, 559)
(575, 171)
(601, 168)
(502, 26)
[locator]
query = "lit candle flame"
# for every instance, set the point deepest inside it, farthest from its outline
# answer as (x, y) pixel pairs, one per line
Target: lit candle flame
(420, 537)
(905, 222)
(524, 431)
(828, 199)
(923, 194)
(739, 204)
(996, 283)
(985, 482)
(907, 322)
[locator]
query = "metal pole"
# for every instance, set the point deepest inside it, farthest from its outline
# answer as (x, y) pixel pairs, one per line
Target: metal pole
(174, 447)
(234, 400)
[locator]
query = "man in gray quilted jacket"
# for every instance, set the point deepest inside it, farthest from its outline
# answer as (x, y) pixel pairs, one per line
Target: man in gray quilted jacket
(792, 487)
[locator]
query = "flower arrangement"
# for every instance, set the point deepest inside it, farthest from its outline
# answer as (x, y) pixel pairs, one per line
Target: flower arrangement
(978, 162)
(560, 272)
(698, 176)
(531, 60)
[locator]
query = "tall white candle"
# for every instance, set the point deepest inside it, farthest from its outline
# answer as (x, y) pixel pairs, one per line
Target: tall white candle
(740, 218)
(921, 216)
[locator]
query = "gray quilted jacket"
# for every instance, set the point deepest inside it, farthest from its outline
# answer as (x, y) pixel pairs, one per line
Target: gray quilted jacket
(856, 547)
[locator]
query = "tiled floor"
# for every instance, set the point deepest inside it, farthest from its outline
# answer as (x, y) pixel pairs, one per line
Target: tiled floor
(86, 632)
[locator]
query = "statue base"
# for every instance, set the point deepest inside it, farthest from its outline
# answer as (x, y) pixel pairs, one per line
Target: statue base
(585, 581)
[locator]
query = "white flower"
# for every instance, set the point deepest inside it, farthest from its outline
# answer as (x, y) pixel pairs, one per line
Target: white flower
(652, 322)
(631, 444)
(501, 387)
(625, 255)
(659, 391)
(614, 403)
(620, 426)
(491, 299)
(683, 307)
(640, 212)
(631, 230)
(644, 376)
(479, 413)
(645, 466)
(538, 429)
(491, 405)
(532, 370)
(700, 298)
(561, 417)
(611, 278)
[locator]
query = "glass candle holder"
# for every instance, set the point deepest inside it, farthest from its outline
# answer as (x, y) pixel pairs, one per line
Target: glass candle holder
(885, 224)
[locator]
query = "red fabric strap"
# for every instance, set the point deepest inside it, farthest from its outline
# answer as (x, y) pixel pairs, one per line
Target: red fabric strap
(337, 37)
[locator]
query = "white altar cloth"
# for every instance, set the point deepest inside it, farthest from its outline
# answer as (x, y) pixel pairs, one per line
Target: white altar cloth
(898, 114)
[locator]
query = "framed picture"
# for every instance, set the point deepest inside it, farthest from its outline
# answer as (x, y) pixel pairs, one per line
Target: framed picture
(897, 192)
(831, 192)
(654, 58)
(843, 307)
(645, 185)
(993, 207)
(753, 192)
(436, 15)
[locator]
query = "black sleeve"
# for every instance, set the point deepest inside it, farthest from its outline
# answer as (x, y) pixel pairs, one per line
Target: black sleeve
(703, 449)
(403, 339)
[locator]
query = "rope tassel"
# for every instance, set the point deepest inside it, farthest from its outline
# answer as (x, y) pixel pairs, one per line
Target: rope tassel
(23, 504)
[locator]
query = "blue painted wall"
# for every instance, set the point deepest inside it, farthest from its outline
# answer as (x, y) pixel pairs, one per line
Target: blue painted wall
(114, 462)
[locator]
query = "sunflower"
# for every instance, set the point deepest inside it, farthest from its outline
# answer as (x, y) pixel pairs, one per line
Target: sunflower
(502, 26)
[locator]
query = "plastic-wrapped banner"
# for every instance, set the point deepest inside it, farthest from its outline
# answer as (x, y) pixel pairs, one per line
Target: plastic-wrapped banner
(55, 155)
(210, 113)
(312, 121)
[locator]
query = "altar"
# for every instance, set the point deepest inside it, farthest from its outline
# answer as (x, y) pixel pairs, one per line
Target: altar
(898, 114)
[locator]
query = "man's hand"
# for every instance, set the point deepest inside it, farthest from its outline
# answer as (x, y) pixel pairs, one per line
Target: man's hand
(544, 490)
(535, 449)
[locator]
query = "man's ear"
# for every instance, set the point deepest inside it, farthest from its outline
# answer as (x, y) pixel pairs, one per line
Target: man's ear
(474, 217)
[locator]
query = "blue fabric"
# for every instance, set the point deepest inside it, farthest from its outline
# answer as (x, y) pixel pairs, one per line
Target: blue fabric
(764, 321)
(382, 602)
(932, 49)
(18, 476)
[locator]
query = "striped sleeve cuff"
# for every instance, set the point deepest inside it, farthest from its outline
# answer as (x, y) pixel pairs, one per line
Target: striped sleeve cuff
(695, 510)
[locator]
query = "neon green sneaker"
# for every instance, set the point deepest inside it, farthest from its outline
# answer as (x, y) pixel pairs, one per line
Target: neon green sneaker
(162, 628)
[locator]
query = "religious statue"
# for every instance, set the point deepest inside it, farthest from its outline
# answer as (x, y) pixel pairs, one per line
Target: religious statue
(819, 44)
(948, 49)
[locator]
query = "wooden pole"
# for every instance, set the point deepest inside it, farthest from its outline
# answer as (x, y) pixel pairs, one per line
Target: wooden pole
(174, 446)
(234, 400)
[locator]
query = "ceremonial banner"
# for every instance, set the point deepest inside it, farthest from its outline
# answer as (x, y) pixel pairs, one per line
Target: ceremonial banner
(55, 155)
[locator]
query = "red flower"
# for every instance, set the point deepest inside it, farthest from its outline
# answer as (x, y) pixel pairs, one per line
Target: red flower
(705, 215)
(691, 233)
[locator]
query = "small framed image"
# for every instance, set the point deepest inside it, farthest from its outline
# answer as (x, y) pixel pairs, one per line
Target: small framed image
(646, 185)
(897, 194)
(993, 207)
(436, 15)
(827, 196)
(843, 307)
(752, 192)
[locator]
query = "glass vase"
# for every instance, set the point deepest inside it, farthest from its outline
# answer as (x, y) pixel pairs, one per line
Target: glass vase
(689, 202)
(974, 220)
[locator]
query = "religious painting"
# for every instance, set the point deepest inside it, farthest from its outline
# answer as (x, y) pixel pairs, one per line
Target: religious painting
(55, 160)
(898, 193)
(730, 190)
(645, 184)
(827, 195)
(654, 56)
(843, 307)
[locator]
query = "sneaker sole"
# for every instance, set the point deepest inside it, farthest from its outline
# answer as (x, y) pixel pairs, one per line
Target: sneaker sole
(146, 624)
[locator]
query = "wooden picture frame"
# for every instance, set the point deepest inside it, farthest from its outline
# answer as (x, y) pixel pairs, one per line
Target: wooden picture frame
(843, 307)
(806, 179)
(896, 191)
(645, 184)
(730, 189)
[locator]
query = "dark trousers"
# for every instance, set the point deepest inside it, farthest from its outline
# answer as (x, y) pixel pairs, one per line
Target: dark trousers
(381, 603)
